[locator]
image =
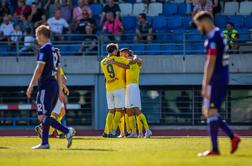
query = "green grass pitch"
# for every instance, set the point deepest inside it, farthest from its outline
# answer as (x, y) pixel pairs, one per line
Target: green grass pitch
(16, 151)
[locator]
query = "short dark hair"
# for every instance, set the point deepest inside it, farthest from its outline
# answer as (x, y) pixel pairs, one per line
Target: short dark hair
(143, 15)
(124, 50)
(28, 30)
(111, 47)
(203, 15)
(230, 23)
(43, 30)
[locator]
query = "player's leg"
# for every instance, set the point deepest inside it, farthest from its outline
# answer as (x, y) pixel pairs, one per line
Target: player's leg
(141, 118)
(122, 125)
(139, 127)
(130, 112)
(55, 114)
(110, 115)
(135, 98)
(127, 125)
(119, 99)
(132, 122)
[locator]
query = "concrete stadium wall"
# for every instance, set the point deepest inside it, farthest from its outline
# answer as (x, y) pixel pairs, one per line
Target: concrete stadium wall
(157, 71)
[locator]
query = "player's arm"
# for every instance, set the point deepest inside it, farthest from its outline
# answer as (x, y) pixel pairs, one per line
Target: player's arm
(36, 75)
(122, 65)
(208, 72)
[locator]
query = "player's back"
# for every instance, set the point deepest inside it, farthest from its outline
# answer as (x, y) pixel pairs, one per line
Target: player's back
(132, 74)
(48, 56)
(113, 73)
(216, 46)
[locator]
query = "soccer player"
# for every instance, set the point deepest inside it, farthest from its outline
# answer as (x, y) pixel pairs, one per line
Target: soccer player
(45, 74)
(115, 85)
(133, 98)
(215, 82)
(59, 110)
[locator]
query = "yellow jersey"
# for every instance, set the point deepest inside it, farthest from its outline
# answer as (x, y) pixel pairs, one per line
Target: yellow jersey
(132, 74)
(115, 79)
(61, 71)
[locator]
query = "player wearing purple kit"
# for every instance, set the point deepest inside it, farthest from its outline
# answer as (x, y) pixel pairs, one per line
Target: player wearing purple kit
(215, 82)
(45, 74)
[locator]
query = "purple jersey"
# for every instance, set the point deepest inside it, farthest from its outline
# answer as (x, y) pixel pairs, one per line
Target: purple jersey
(216, 46)
(48, 56)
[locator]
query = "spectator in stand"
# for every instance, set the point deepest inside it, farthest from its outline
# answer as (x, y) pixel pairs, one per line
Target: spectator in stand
(66, 10)
(16, 36)
(77, 12)
(23, 9)
(24, 23)
(57, 25)
(202, 5)
(113, 27)
(4, 9)
(111, 7)
(86, 20)
(216, 6)
(28, 42)
(36, 16)
(144, 29)
(232, 36)
(90, 44)
(6, 28)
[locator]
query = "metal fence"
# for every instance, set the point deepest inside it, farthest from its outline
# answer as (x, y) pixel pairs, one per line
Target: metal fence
(173, 43)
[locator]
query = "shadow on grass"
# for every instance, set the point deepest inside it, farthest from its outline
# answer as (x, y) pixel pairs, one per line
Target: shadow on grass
(244, 155)
(89, 149)
(3, 147)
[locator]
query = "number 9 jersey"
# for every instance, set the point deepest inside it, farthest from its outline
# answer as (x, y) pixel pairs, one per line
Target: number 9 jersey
(115, 79)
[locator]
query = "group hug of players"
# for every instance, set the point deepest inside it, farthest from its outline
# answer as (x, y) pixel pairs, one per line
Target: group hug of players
(121, 70)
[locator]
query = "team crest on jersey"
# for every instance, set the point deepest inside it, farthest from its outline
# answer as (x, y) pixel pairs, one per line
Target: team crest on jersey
(212, 105)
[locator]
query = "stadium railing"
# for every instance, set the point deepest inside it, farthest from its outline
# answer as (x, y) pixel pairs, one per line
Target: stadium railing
(173, 43)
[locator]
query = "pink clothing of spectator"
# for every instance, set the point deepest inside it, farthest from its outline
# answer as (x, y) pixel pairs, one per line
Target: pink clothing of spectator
(202, 5)
(77, 12)
(113, 27)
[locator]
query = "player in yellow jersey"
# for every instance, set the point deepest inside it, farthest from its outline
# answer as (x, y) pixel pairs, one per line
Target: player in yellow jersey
(59, 109)
(115, 85)
(133, 98)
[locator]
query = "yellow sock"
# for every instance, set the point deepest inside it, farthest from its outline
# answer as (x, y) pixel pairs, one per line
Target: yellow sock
(139, 125)
(116, 120)
(127, 123)
(145, 123)
(132, 123)
(122, 125)
(109, 120)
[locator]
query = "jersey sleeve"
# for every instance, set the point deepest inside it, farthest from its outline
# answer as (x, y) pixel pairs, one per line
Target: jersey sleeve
(212, 48)
(61, 71)
(42, 57)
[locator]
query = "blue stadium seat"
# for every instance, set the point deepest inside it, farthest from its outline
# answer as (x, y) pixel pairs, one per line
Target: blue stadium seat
(182, 9)
(174, 22)
(3, 49)
(186, 22)
(137, 48)
(193, 35)
(249, 22)
(159, 23)
(63, 49)
(238, 21)
(169, 9)
(73, 48)
(177, 35)
(168, 49)
(96, 9)
(220, 21)
(163, 36)
(130, 1)
(129, 22)
(243, 34)
(152, 49)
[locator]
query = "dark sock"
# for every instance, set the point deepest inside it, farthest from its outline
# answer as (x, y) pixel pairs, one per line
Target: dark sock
(213, 125)
(45, 132)
(224, 126)
(55, 124)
